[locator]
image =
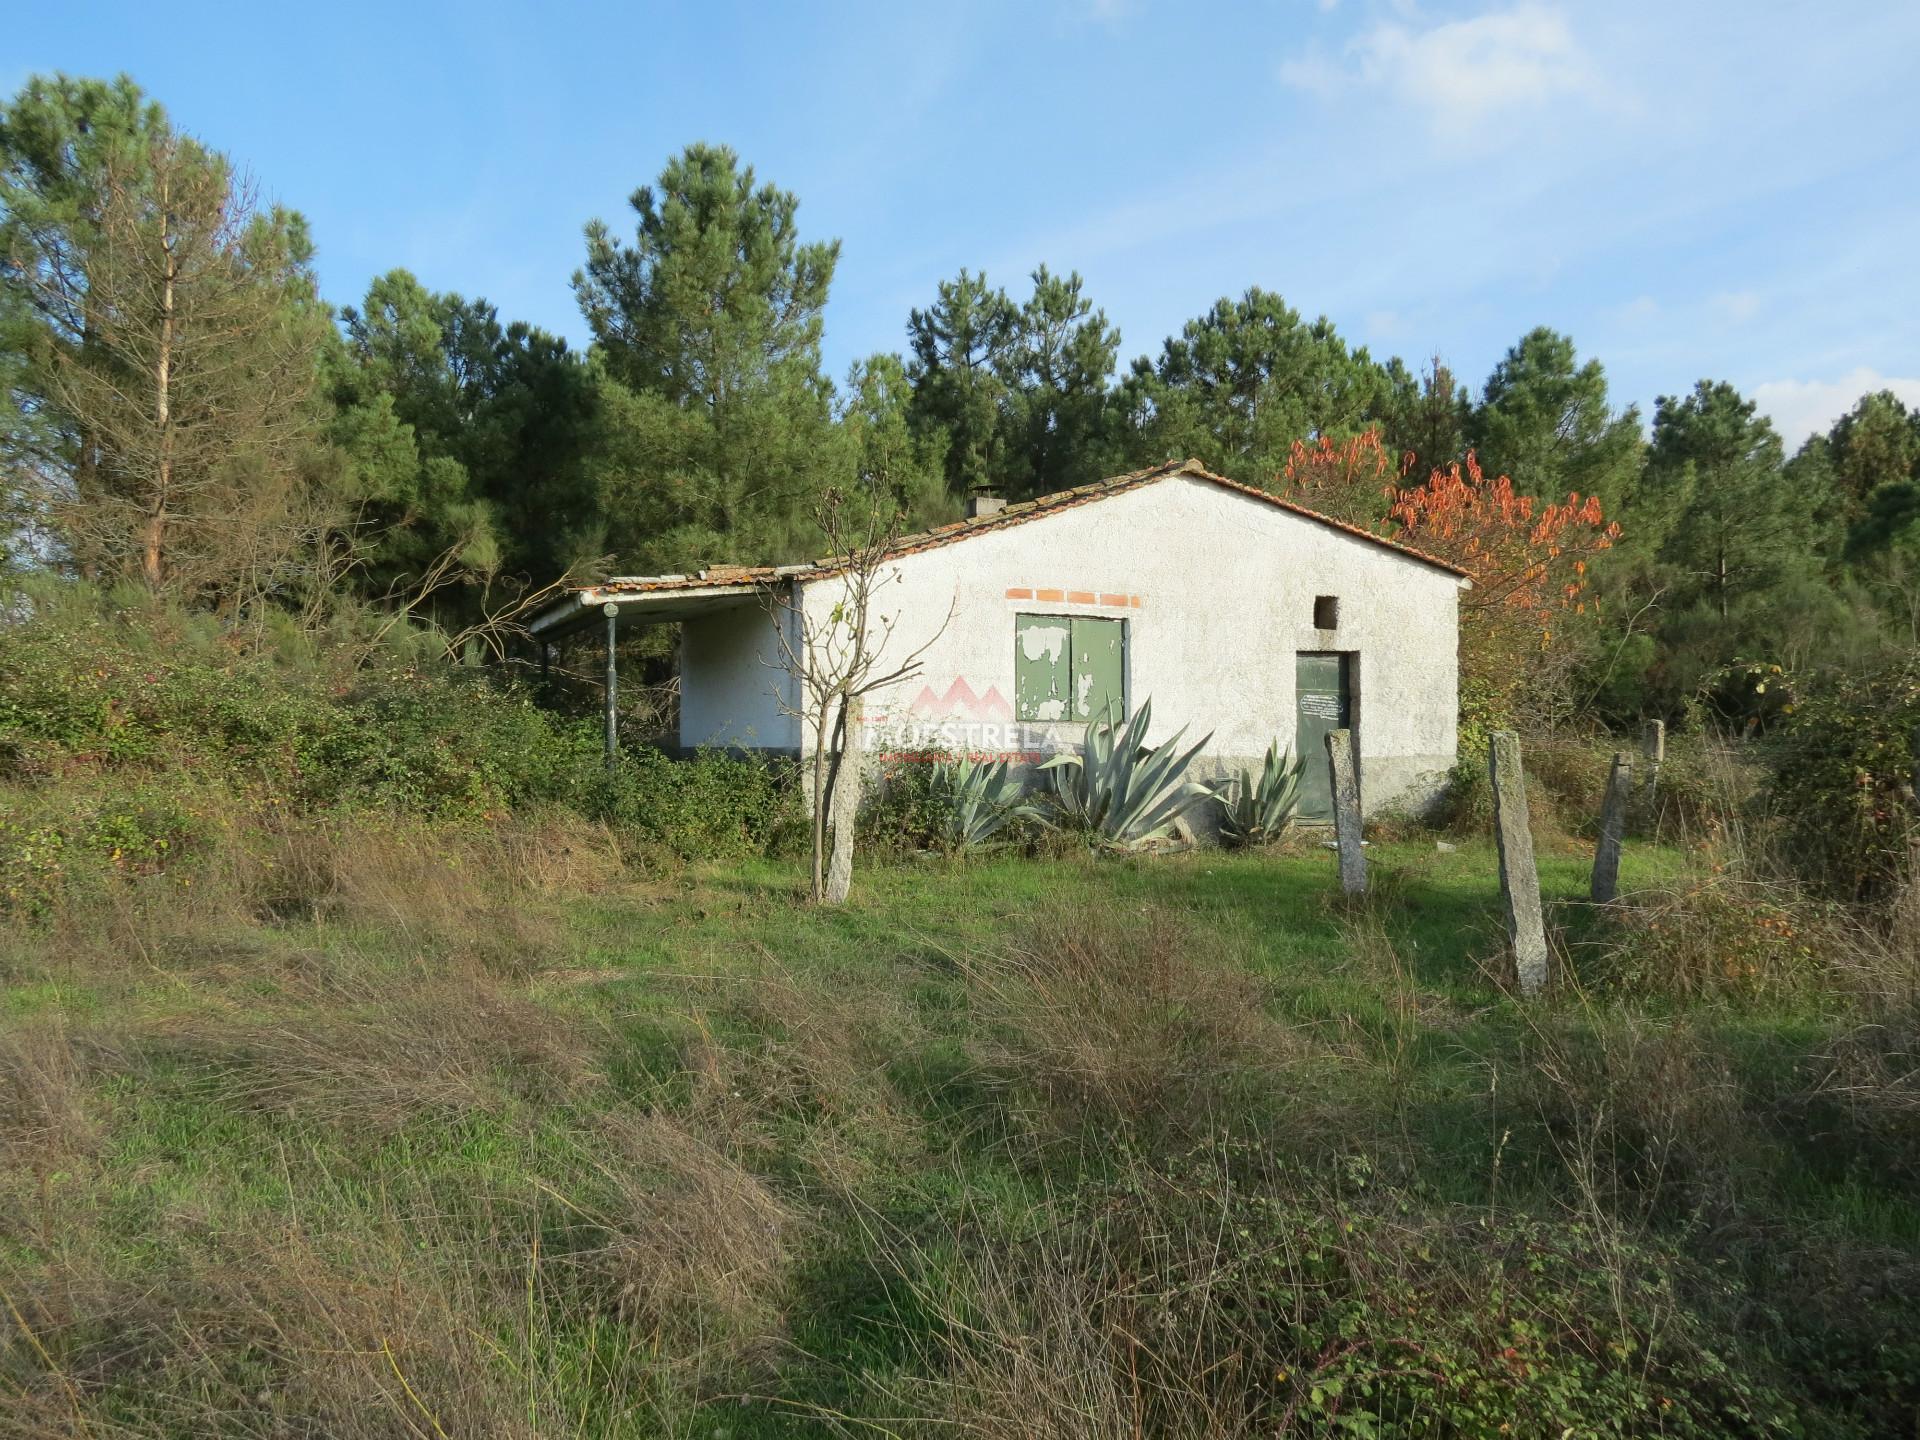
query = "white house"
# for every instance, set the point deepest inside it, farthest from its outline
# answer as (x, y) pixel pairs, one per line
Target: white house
(1237, 612)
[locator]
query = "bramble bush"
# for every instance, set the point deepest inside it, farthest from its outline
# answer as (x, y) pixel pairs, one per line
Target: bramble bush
(119, 722)
(1224, 1293)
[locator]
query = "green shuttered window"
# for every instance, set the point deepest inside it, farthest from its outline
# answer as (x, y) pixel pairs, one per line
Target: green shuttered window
(1068, 667)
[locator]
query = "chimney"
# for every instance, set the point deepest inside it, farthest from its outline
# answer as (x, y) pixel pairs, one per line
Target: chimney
(980, 505)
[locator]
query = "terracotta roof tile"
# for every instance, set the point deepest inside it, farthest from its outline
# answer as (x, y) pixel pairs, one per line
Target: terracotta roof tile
(1009, 516)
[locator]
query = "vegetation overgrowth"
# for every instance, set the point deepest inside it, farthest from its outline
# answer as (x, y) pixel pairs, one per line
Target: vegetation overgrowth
(420, 1088)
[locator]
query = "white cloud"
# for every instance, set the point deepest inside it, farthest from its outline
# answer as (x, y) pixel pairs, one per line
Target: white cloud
(1462, 71)
(1641, 310)
(1800, 408)
(1736, 305)
(1384, 324)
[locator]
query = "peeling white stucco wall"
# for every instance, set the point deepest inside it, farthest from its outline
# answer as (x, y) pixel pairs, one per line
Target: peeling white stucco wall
(1225, 588)
(733, 690)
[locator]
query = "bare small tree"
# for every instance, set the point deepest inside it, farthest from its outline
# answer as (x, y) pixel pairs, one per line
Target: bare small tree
(836, 659)
(501, 622)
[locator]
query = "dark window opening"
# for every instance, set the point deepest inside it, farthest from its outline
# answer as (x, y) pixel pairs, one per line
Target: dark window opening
(1326, 612)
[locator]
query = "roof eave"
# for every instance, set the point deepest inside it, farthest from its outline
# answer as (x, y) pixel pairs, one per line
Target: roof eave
(639, 595)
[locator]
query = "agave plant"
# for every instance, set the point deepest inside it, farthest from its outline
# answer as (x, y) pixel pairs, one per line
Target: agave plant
(1119, 788)
(979, 798)
(1258, 809)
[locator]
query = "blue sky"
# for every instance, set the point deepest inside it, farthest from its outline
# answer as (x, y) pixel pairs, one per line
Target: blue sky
(1689, 188)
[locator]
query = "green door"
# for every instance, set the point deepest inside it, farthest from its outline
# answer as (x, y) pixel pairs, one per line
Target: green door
(1323, 702)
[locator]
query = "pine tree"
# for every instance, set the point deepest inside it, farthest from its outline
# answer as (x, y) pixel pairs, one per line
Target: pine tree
(465, 439)
(1240, 384)
(1545, 420)
(172, 347)
(1056, 378)
(716, 434)
(894, 466)
(1876, 443)
(1425, 417)
(962, 347)
(1715, 490)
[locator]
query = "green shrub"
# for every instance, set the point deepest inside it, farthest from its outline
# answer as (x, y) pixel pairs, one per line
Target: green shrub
(710, 806)
(1842, 769)
(34, 862)
(904, 809)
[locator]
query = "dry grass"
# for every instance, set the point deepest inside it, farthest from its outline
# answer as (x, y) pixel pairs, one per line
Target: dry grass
(1100, 1024)
(1644, 1116)
(781, 1063)
(45, 1118)
(1873, 1075)
(348, 1337)
(1729, 933)
(367, 1052)
(693, 1249)
(401, 1304)
(649, 1257)
(1217, 1295)
(494, 894)
(485, 890)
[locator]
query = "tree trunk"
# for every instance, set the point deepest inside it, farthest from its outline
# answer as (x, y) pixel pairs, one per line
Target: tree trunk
(153, 534)
(820, 798)
(845, 806)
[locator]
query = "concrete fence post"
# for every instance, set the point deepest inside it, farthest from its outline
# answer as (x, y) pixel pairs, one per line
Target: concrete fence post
(1613, 823)
(1519, 878)
(1346, 812)
(848, 775)
(1653, 751)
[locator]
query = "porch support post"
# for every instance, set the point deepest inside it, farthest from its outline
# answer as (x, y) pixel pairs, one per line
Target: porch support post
(612, 612)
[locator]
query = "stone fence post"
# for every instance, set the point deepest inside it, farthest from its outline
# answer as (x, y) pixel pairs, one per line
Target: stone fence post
(1653, 751)
(1519, 878)
(1613, 823)
(1346, 812)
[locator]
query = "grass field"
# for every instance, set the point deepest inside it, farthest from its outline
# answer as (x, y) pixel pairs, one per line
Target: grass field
(507, 1140)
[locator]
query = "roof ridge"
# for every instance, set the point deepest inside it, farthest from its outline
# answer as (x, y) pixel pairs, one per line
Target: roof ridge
(1018, 513)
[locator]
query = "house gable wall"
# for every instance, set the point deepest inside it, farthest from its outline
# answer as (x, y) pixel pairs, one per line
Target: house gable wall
(1217, 590)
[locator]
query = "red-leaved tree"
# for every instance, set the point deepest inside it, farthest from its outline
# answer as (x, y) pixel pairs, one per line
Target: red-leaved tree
(1528, 560)
(1529, 564)
(1348, 480)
